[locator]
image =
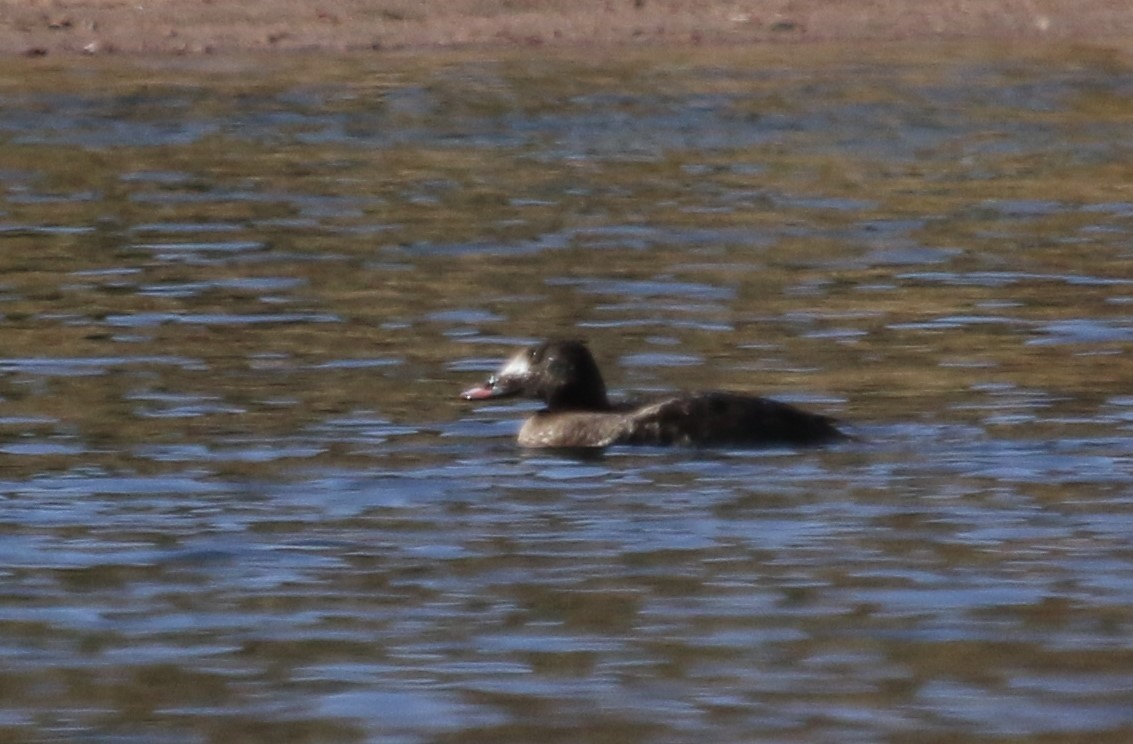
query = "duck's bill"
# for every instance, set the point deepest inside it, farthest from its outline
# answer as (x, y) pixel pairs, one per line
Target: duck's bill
(482, 391)
(495, 387)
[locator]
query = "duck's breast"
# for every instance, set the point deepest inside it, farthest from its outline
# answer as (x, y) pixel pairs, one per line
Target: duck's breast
(573, 429)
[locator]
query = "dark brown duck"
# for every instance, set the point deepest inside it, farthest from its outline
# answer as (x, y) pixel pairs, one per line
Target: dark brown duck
(565, 377)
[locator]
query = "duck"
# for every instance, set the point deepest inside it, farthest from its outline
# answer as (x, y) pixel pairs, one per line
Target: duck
(578, 413)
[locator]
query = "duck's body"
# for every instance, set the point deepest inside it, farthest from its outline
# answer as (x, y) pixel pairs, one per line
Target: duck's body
(564, 375)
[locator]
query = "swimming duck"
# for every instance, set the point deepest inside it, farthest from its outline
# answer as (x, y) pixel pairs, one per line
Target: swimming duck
(564, 375)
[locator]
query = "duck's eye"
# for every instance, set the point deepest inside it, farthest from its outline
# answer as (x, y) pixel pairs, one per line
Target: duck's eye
(533, 354)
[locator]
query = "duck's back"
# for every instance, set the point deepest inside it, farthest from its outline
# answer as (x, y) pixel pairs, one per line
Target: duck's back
(723, 419)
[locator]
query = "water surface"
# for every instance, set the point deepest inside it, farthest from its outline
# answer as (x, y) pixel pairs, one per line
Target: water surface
(239, 499)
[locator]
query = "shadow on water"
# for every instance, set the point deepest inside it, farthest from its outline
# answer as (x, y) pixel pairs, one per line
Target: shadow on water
(239, 497)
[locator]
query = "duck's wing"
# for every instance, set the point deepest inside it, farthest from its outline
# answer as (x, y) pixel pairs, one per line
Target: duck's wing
(722, 419)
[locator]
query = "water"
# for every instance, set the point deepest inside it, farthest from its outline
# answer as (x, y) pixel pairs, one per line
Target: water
(239, 499)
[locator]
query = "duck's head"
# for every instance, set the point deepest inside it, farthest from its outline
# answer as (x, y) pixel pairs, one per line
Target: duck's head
(562, 374)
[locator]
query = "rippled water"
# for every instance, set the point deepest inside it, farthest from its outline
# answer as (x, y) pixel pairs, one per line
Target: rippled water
(239, 500)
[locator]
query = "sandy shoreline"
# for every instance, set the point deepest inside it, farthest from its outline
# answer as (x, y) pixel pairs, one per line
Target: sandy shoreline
(68, 27)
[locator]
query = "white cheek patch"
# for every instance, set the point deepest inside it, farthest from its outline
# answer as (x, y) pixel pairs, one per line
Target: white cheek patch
(518, 366)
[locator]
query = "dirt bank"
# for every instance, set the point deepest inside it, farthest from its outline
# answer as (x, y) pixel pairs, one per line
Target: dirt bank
(59, 27)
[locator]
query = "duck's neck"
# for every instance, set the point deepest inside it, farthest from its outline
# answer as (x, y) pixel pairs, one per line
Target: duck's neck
(580, 397)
